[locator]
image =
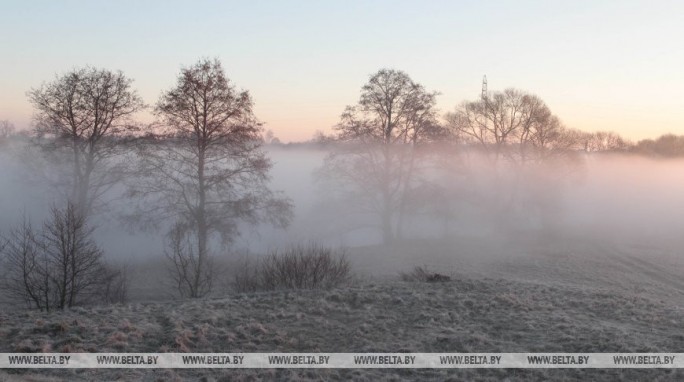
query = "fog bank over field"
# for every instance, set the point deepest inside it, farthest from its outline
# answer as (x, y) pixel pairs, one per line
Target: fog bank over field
(629, 198)
(616, 198)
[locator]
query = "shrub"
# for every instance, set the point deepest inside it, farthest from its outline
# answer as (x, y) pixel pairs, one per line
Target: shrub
(58, 267)
(421, 274)
(310, 266)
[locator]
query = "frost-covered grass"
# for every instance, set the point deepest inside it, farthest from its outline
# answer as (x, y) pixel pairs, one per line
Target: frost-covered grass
(576, 296)
(454, 316)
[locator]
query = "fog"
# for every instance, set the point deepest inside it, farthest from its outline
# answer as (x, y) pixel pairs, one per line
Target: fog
(605, 199)
(629, 198)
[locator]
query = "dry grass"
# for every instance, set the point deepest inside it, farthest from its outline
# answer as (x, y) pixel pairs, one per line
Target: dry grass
(574, 300)
(454, 316)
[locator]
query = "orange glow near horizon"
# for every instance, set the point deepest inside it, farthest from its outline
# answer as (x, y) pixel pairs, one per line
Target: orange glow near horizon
(295, 123)
(600, 66)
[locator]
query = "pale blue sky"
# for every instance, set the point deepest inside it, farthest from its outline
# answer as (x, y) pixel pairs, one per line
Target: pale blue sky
(599, 65)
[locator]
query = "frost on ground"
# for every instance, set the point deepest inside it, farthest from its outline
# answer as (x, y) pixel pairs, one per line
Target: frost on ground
(574, 296)
(456, 316)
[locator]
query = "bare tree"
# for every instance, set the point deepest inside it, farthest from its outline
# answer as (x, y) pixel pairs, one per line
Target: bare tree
(6, 129)
(379, 140)
(26, 276)
(76, 258)
(78, 118)
(512, 124)
(205, 171)
(59, 267)
(603, 141)
(529, 151)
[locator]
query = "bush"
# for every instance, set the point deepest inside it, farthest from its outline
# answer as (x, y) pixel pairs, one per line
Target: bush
(309, 266)
(60, 266)
(421, 274)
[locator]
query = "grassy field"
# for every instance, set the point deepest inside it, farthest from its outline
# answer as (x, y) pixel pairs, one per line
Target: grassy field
(581, 297)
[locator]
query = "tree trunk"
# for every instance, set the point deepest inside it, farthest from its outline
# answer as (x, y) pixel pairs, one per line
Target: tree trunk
(404, 191)
(386, 213)
(76, 191)
(202, 231)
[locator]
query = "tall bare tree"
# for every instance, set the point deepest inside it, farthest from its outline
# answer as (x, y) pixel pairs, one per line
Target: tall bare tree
(79, 116)
(379, 139)
(205, 171)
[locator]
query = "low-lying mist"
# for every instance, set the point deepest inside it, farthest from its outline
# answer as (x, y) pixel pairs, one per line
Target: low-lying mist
(609, 198)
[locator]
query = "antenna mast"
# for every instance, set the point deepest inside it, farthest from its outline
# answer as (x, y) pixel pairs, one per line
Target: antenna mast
(484, 88)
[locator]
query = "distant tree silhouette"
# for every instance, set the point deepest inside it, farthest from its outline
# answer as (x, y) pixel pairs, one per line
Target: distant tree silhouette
(604, 141)
(668, 145)
(271, 139)
(6, 129)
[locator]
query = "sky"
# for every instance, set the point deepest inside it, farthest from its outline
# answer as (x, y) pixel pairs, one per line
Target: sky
(599, 65)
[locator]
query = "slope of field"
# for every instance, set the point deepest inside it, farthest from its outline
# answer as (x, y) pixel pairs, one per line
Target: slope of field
(634, 269)
(463, 315)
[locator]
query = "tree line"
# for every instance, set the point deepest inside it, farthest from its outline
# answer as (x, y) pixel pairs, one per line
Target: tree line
(200, 171)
